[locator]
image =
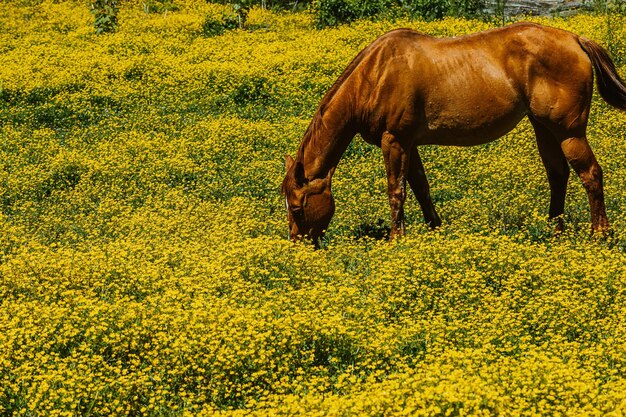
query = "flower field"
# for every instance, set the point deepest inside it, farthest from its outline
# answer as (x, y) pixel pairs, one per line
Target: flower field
(144, 265)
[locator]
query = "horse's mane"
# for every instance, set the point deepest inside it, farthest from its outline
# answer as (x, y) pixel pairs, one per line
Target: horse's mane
(317, 117)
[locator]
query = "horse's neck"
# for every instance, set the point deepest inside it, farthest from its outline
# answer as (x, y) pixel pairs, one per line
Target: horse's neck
(326, 139)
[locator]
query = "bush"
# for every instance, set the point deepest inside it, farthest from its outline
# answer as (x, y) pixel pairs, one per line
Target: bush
(105, 14)
(335, 12)
(232, 16)
(276, 5)
(213, 26)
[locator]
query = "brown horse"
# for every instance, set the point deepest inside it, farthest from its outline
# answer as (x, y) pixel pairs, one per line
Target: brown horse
(408, 89)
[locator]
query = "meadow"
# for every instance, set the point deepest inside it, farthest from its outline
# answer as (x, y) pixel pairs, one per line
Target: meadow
(144, 261)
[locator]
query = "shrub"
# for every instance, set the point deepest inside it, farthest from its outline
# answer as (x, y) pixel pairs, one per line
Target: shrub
(213, 26)
(231, 17)
(277, 5)
(105, 14)
(335, 12)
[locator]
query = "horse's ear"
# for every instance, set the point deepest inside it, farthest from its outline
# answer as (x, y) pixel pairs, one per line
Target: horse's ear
(299, 174)
(288, 162)
(331, 171)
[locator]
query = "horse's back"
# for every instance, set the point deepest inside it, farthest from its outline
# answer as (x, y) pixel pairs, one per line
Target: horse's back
(470, 89)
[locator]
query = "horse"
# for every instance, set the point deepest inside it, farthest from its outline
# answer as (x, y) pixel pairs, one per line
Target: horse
(408, 89)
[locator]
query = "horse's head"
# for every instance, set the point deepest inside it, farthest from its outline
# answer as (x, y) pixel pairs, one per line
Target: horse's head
(310, 204)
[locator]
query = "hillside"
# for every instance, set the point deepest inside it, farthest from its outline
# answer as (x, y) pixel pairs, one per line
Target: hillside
(144, 265)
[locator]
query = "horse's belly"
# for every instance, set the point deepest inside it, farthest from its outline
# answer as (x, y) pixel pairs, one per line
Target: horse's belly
(473, 105)
(469, 126)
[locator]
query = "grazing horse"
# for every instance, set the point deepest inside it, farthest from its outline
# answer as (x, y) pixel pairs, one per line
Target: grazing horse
(408, 89)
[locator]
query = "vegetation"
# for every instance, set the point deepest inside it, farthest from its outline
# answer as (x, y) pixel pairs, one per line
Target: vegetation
(144, 266)
(334, 12)
(105, 15)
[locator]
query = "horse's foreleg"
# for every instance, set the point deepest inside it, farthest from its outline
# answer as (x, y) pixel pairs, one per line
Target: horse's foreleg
(581, 158)
(557, 169)
(397, 167)
(421, 189)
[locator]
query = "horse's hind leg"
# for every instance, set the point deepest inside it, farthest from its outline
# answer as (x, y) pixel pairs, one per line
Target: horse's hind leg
(565, 113)
(397, 167)
(581, 158)
(421, 189)
(556, 167)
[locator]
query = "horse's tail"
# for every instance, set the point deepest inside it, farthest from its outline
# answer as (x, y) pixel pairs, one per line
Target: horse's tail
(612, 88)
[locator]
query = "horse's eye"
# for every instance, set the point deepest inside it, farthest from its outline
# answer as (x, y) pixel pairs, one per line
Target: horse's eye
(297, 211)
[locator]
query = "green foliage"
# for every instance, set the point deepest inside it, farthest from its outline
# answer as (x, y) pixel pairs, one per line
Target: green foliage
(212, 26)
(335, 12)
(427, 9)
(457, 8)
(233, 18)
(276, 5)
(105, 15)
(606, 6)
(241, 8)
(160, 6)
